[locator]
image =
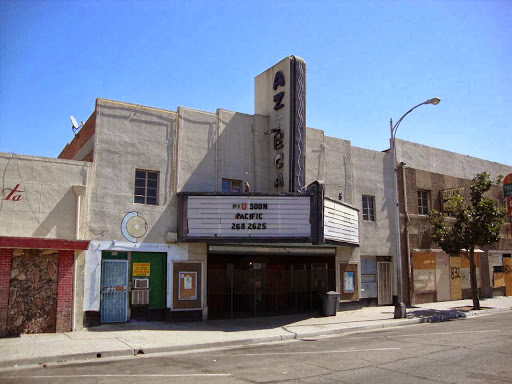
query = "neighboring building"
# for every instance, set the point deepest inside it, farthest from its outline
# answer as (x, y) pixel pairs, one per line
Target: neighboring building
(42, 218)
(432, 175)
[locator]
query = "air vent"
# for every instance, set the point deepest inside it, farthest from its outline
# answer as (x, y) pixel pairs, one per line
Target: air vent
(140, 283)
(140, 297)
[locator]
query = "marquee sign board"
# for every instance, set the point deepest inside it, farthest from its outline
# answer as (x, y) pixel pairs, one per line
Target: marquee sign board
(246, 217)
(341, 222)
(258, 217)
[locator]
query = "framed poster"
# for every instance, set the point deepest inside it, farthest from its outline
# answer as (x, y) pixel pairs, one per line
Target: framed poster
(348, 281)
(187, 289)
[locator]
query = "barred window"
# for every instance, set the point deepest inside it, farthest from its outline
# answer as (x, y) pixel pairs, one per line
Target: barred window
(146, 187)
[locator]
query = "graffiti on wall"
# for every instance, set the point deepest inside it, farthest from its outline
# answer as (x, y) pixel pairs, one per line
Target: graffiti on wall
(455, 273)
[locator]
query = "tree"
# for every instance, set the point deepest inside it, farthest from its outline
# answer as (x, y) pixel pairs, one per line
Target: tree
(474, 223)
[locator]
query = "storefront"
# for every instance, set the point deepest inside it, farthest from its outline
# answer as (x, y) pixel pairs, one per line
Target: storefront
(142, 282)
(255, 280)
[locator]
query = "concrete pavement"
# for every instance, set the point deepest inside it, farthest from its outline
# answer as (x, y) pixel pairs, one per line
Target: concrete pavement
(129, 339)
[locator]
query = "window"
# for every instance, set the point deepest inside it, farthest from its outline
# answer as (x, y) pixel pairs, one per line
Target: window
(423, 202)
(368, 208)
(368, 277)
(229, 185)
(146, 187)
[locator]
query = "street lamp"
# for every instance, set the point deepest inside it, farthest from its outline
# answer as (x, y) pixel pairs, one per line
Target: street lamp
(400, 306)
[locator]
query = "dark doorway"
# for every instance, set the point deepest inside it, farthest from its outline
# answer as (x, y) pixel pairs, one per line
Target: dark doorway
(244, 286)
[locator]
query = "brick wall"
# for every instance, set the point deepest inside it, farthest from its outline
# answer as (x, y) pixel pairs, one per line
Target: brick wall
(83, 135)
(65, 291)
(5, 275)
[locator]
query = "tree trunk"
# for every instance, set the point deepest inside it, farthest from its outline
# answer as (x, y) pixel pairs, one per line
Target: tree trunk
(472, 276)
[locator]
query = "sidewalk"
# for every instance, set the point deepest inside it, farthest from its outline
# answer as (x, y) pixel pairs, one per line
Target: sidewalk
(129, 339)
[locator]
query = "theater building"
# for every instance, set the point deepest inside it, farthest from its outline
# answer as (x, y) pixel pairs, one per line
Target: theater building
(196, 215)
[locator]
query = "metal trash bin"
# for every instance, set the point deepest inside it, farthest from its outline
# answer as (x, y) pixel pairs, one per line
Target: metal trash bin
(329, 303)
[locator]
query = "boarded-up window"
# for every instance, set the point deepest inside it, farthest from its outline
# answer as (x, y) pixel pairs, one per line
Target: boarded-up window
(424, 265)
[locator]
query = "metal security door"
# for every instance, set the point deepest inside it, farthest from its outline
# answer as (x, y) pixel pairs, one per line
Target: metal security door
(114, 282)
(384, 283)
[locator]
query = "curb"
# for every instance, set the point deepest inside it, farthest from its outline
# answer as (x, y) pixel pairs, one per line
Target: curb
(82, 356)
(131, 351)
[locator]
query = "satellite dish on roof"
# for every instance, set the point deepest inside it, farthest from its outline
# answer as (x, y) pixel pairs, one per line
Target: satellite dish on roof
(74, 125)
(73, 121)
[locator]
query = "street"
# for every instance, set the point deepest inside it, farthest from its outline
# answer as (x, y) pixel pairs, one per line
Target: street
(473, 350)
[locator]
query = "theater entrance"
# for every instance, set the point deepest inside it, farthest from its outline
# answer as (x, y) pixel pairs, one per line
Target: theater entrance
(241, 285)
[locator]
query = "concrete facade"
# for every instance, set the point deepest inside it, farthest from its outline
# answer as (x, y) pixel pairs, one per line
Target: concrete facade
(192, 151)
(43, 201)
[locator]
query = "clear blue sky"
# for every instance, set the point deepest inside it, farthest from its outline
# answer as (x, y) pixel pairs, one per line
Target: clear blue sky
(367, 61)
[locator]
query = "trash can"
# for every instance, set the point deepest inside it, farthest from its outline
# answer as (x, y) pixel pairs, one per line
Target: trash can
(329, 303)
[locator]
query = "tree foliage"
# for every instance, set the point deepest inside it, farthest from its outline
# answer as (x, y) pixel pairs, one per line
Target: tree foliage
(476, 222)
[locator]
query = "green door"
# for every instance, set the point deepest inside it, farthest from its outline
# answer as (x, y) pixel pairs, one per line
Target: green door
(157, 275)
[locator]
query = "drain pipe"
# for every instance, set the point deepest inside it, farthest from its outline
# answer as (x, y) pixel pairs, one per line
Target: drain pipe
(406, 233)
(79, 192)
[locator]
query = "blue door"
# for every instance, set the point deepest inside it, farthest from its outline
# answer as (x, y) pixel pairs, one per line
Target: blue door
(114, 292)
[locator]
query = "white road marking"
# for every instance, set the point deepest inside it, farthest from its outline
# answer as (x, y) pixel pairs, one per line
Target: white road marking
(429, 334)
(99, 376)
(319, 352)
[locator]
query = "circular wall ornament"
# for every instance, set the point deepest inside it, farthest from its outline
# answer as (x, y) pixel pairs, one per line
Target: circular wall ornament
(133, 226)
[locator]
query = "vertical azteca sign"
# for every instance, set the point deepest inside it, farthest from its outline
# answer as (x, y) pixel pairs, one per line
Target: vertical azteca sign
(280, 93)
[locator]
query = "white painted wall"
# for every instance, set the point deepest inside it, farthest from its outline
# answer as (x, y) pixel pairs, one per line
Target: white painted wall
(447, 163)
(47, 205)
(373, 174)
(130, 137)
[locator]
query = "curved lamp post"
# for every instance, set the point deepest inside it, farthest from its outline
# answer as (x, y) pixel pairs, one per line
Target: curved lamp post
(400, 311)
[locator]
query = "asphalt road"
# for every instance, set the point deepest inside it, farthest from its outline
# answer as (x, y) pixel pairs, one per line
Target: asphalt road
(473, 350)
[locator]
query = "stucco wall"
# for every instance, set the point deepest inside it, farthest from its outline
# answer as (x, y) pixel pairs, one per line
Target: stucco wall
(222, 145)
(329, 159)
(197, 151)
(444, 162)
(46, 203)
(131, 137)
(374, 176)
